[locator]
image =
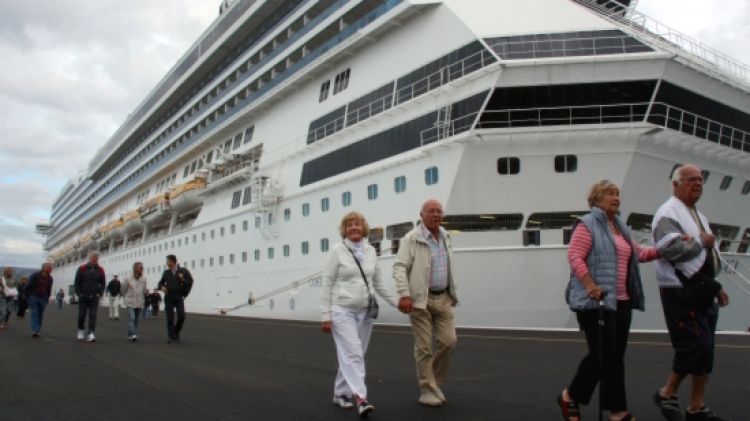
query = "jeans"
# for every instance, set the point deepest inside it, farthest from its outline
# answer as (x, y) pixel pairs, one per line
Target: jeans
(133, 314)
(90, 305)
(59, 304)
(37, 305)
(170, 306)
(114, 307)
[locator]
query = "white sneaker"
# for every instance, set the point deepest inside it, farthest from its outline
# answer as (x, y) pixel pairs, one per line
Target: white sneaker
(134, 338)
(81, 335)
(91, 337)
(343, 402)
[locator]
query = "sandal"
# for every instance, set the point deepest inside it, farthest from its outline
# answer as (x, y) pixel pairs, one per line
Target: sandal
(568, 409)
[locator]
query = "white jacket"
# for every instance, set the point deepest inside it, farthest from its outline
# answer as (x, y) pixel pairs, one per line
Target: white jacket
(132, 291)
(343, 285)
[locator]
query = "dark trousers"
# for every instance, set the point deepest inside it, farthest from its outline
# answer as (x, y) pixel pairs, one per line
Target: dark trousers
(90, 305)
(155, 309)
(613, 344)
(22, 306)
(170, 306)
(692, 333)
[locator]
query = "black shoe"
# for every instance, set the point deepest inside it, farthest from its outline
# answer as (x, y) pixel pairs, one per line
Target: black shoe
(704, 414)
(36, 335)
(669, 407)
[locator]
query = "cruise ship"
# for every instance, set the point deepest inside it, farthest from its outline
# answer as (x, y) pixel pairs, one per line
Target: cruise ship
(286, 114)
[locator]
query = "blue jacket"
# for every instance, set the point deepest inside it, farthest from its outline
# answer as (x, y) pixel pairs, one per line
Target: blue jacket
(602, 264)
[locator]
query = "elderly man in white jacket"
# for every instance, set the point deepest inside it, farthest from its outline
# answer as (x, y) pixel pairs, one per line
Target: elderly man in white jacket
(350, 281)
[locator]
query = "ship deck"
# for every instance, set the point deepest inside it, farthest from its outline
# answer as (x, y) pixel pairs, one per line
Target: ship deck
(235, 368)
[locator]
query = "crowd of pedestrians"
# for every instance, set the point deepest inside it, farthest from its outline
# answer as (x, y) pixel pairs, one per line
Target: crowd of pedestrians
(604, 288)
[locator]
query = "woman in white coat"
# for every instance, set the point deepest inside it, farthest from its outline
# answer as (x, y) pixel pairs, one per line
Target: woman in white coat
(132, 290)
(350, 281)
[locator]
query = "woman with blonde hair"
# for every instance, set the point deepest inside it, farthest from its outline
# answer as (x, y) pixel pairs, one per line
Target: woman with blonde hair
(350, 281)
(604, 272)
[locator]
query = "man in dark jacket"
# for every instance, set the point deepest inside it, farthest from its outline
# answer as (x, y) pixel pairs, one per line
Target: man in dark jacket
(89, 286)
(37, 292)
(113, 289)
(176, 283)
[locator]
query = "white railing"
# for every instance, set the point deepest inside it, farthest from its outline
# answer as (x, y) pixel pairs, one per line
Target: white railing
(571, 46)
(675, 41)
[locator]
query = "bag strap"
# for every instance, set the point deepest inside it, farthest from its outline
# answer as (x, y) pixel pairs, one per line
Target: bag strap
(362, 272)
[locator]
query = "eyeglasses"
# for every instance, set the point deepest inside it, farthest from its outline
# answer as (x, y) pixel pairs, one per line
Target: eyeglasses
(693, 179)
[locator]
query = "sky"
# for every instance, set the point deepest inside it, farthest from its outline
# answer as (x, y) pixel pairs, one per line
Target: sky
(74, 69)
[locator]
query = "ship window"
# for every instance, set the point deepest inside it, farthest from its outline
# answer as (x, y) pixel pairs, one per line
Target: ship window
(372, 192)
(324, 245)
(257, 222)
(324, 88)
(370, 104)
(639, 222)
(195, 238)
(185, 173)
(399, 184)
(244, 257)
(237, 141)
(341, 81)
(203, 236)
(287, 214)
(209, 156)
(553, 220)
(305, 209)
(221, 231)
(508, 165)
(232, 229)
(531, 237)
(483, 222)
(326, 125)
(567, 234)
(186, 240)
(221, 260)
(203, 262)
(192, 264)
(211, 262)
(246, 198)
(179, 243)
(725, 183)
(256, 254)
(566, 163)
(705, 174)
(231, 259)
(346, 198)
(270, 219)
(305, 247)
(745, 242)
(325, 204)
(270, 253)
(746, 188)
(193, 167)
(566, 44)
(212, 234)
(396, 231)
(227, 146)
(244, 225)
(724, 232)
(249, 134)
(236, 196)
(431, 176)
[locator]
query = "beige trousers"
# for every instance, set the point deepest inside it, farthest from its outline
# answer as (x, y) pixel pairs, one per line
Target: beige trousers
(437, 318)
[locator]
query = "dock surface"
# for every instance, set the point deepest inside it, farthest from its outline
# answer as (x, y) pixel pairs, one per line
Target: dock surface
(229, 368)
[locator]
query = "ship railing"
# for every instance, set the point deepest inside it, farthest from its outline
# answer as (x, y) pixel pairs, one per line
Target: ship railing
(661, 114)
(674, 41)
(445, 74)
(570, 46)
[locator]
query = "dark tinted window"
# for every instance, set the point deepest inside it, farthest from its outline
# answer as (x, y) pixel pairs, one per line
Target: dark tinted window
(566, 163)
(553, 220)
(508, 165)
(483, 222)
(566, 44)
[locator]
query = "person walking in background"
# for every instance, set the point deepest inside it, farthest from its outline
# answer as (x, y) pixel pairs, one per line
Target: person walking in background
(155, 301)
(38, 291)
(113, 290)
(176, 283)
(59, 297)
(146, 303)
(133, 293)
(604, 267)
(8, 296)
(348, 305)
(690, 294)
(423, 271)
(22, 302)
(89, 286)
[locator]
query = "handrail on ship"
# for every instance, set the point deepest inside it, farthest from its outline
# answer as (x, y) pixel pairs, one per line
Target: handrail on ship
(694, 51)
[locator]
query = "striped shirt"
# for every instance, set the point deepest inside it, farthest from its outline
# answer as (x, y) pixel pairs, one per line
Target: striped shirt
(580, 246)
(438, 276)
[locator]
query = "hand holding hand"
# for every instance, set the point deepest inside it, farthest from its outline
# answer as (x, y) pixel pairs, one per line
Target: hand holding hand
(326, 326)
(405, 305)
(707, 239)
(723, 298)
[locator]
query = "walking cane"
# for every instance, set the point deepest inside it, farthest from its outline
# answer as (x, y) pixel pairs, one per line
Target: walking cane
(600, 322)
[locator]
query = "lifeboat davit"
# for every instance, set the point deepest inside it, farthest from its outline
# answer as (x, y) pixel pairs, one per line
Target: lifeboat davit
(156, 211)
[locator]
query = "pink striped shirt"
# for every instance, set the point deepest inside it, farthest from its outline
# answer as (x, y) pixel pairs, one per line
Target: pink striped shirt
(580, 246)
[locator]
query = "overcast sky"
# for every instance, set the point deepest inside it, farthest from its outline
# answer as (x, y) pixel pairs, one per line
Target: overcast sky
(73, 70)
